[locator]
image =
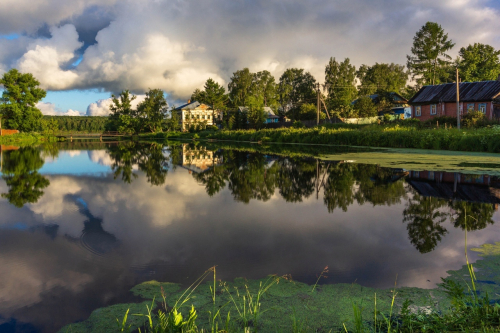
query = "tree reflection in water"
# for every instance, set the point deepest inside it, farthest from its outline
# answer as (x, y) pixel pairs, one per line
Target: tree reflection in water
(257, 176)
(424, 216)
(149, 158)
(20, 172)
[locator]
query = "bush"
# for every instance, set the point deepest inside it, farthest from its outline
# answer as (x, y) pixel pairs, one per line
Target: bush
(298, 124)
(212, 128)
(387, 117)
(472, 119)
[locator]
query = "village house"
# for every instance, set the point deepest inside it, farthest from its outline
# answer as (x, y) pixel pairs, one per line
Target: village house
(440, 100)
(271, 117)
(195, 113)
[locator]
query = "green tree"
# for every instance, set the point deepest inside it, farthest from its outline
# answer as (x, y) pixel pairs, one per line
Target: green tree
(122, 117)
(18, 103)
(295, 88)
(240, 87)
(255, 114)
(308, 111)
(173, 122)
(152, 112)
(49, 126)
(365, 107)
(479, 62)
(264, 85)
(381, 78)
(20, 172)
(429, 61)
(214, 95)
(340, 82)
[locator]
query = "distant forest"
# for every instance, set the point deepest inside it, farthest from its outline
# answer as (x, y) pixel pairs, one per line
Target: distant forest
(79, 123)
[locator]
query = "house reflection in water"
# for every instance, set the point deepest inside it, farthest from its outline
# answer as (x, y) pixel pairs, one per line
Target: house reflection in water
(456, 186)
(198, 158)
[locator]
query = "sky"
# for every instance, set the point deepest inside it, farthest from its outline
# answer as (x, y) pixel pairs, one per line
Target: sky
(82, 51)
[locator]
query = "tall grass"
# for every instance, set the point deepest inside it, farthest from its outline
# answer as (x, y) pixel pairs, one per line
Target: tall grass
(481, 140)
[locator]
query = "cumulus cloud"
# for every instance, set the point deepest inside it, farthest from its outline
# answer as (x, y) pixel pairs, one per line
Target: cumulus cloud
(50, 109)
(46, 57)
(176, 46)
(101, 107)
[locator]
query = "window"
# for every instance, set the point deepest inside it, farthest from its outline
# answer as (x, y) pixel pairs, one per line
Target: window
(203, 117)
(482, 107)
(418, 111)
(433, 109)
(470, 107)
(431, 175)
(208, 117)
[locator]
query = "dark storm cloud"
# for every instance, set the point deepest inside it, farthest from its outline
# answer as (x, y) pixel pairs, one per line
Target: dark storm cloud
(130, 45)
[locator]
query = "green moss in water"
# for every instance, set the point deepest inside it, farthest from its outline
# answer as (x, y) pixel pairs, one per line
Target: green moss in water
(104, 319)
(325, 309)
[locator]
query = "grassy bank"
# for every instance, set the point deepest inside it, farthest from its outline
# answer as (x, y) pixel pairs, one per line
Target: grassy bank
(461, 303)
(25, 139)
(478, 140)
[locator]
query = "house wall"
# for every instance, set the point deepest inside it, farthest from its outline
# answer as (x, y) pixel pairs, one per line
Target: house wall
(200, 116)
(449, 110)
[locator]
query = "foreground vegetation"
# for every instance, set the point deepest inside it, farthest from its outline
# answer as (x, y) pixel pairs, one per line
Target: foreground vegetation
(464, 302)
(479, 140)
(25, 139)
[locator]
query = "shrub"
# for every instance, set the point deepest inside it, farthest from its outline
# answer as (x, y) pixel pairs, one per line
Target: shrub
(471, 119)
(298, 124)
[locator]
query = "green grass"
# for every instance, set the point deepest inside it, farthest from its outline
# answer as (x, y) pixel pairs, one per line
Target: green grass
(463, 302)
(25, 138)
(477, 140)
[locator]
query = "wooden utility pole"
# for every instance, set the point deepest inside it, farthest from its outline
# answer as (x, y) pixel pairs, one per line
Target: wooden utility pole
(318, 103)
(458, 101)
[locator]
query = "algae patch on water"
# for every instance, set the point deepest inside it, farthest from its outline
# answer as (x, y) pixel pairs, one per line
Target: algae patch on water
(326, 308)
(420, 160)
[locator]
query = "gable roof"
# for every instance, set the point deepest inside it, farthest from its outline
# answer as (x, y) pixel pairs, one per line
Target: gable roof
(267, 110)
(190, 106)
(397, 98)
(469, 92)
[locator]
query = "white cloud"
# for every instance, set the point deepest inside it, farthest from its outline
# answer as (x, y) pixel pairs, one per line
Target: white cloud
(71, 112)
(50, 109)
(101, 107)
(45, 57)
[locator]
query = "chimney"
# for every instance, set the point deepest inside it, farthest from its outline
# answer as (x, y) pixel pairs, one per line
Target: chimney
(189, 101)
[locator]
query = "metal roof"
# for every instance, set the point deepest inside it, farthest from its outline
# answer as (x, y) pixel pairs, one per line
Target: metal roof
(469, 92)
(267, 110)
(189, 106)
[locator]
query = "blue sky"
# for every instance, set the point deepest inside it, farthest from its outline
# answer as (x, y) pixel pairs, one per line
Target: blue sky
(77, 100)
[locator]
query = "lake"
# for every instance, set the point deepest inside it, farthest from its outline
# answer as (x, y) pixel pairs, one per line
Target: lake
(82, 223)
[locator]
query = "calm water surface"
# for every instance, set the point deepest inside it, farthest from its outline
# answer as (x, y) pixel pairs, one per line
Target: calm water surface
(81, 224)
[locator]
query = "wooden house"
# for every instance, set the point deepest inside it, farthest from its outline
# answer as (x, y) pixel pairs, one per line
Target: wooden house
(195, 113)
(440, 100)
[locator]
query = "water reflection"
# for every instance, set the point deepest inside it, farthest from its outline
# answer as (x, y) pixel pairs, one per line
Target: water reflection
(20, 172)
(148, 158)
(169, 212)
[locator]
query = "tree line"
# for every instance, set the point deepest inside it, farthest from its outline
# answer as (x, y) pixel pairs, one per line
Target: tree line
(347, 91)
(295, 93)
